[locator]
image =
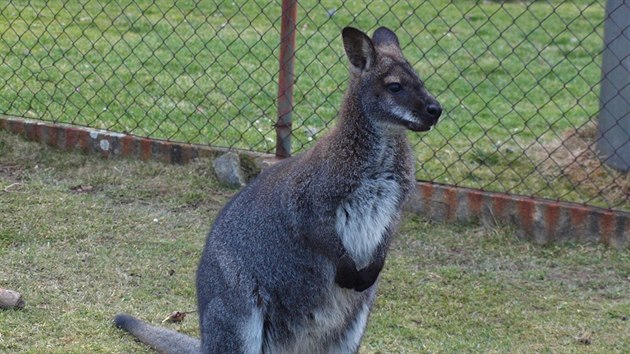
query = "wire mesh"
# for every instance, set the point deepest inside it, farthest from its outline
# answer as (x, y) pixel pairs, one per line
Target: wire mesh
(519, 80)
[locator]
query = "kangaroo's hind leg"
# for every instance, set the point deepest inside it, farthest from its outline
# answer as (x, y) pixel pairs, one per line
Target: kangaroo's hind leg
(350, 338)
(224, 330)
(231, 303)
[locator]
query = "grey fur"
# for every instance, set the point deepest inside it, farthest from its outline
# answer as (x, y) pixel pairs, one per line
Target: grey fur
(291, 262)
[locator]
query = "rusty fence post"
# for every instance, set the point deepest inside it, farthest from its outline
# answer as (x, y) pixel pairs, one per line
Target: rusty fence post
(286, 78)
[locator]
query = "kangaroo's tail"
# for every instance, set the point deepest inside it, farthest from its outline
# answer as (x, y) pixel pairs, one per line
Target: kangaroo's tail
(162, 340)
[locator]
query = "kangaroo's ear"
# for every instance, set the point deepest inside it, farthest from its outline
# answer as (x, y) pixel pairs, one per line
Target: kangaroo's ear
(359, 49)
(385, 40)
(383, 36)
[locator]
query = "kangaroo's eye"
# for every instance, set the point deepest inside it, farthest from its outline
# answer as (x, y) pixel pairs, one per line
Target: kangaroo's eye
(394, 87)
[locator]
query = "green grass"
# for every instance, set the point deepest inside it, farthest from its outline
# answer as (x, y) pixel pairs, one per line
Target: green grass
(131, 244)
(512, 76)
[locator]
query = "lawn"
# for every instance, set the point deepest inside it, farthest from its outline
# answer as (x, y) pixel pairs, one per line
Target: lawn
(83, 238)
(514, 77)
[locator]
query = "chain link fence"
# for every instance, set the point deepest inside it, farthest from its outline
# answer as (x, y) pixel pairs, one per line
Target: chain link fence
(519, 80)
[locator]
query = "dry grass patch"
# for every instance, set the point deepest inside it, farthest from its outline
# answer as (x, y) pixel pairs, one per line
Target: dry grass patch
(574, 158)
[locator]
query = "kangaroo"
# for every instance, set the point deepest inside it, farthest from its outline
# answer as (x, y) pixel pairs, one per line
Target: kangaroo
(291, 262)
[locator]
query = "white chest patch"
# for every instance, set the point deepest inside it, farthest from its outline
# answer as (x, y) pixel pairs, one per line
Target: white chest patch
(364, 216)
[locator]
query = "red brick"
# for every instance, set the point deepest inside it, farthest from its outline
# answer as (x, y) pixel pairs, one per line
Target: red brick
(578, 216)
(17, 127)
(126, 145)
(475, 199)
(499, 205)
(31, 131)
(53, 136)
(146, 147)
(427, 191)
(525, 208)
(71, 139)
(82, 140)
(186, 153)
(450, 197)
(552, 214)
(164, 150)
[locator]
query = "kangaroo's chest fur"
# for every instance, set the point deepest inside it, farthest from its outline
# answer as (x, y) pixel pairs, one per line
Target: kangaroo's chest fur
(364, 216)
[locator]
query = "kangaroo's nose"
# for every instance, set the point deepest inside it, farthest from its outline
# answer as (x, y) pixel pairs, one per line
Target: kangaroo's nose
(434, 110)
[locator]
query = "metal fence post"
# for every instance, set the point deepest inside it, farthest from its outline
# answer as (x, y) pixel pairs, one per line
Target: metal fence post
(286, 78)
(614, 118)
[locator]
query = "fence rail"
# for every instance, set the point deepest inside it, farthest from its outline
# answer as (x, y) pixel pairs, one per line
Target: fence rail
(519, 81)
